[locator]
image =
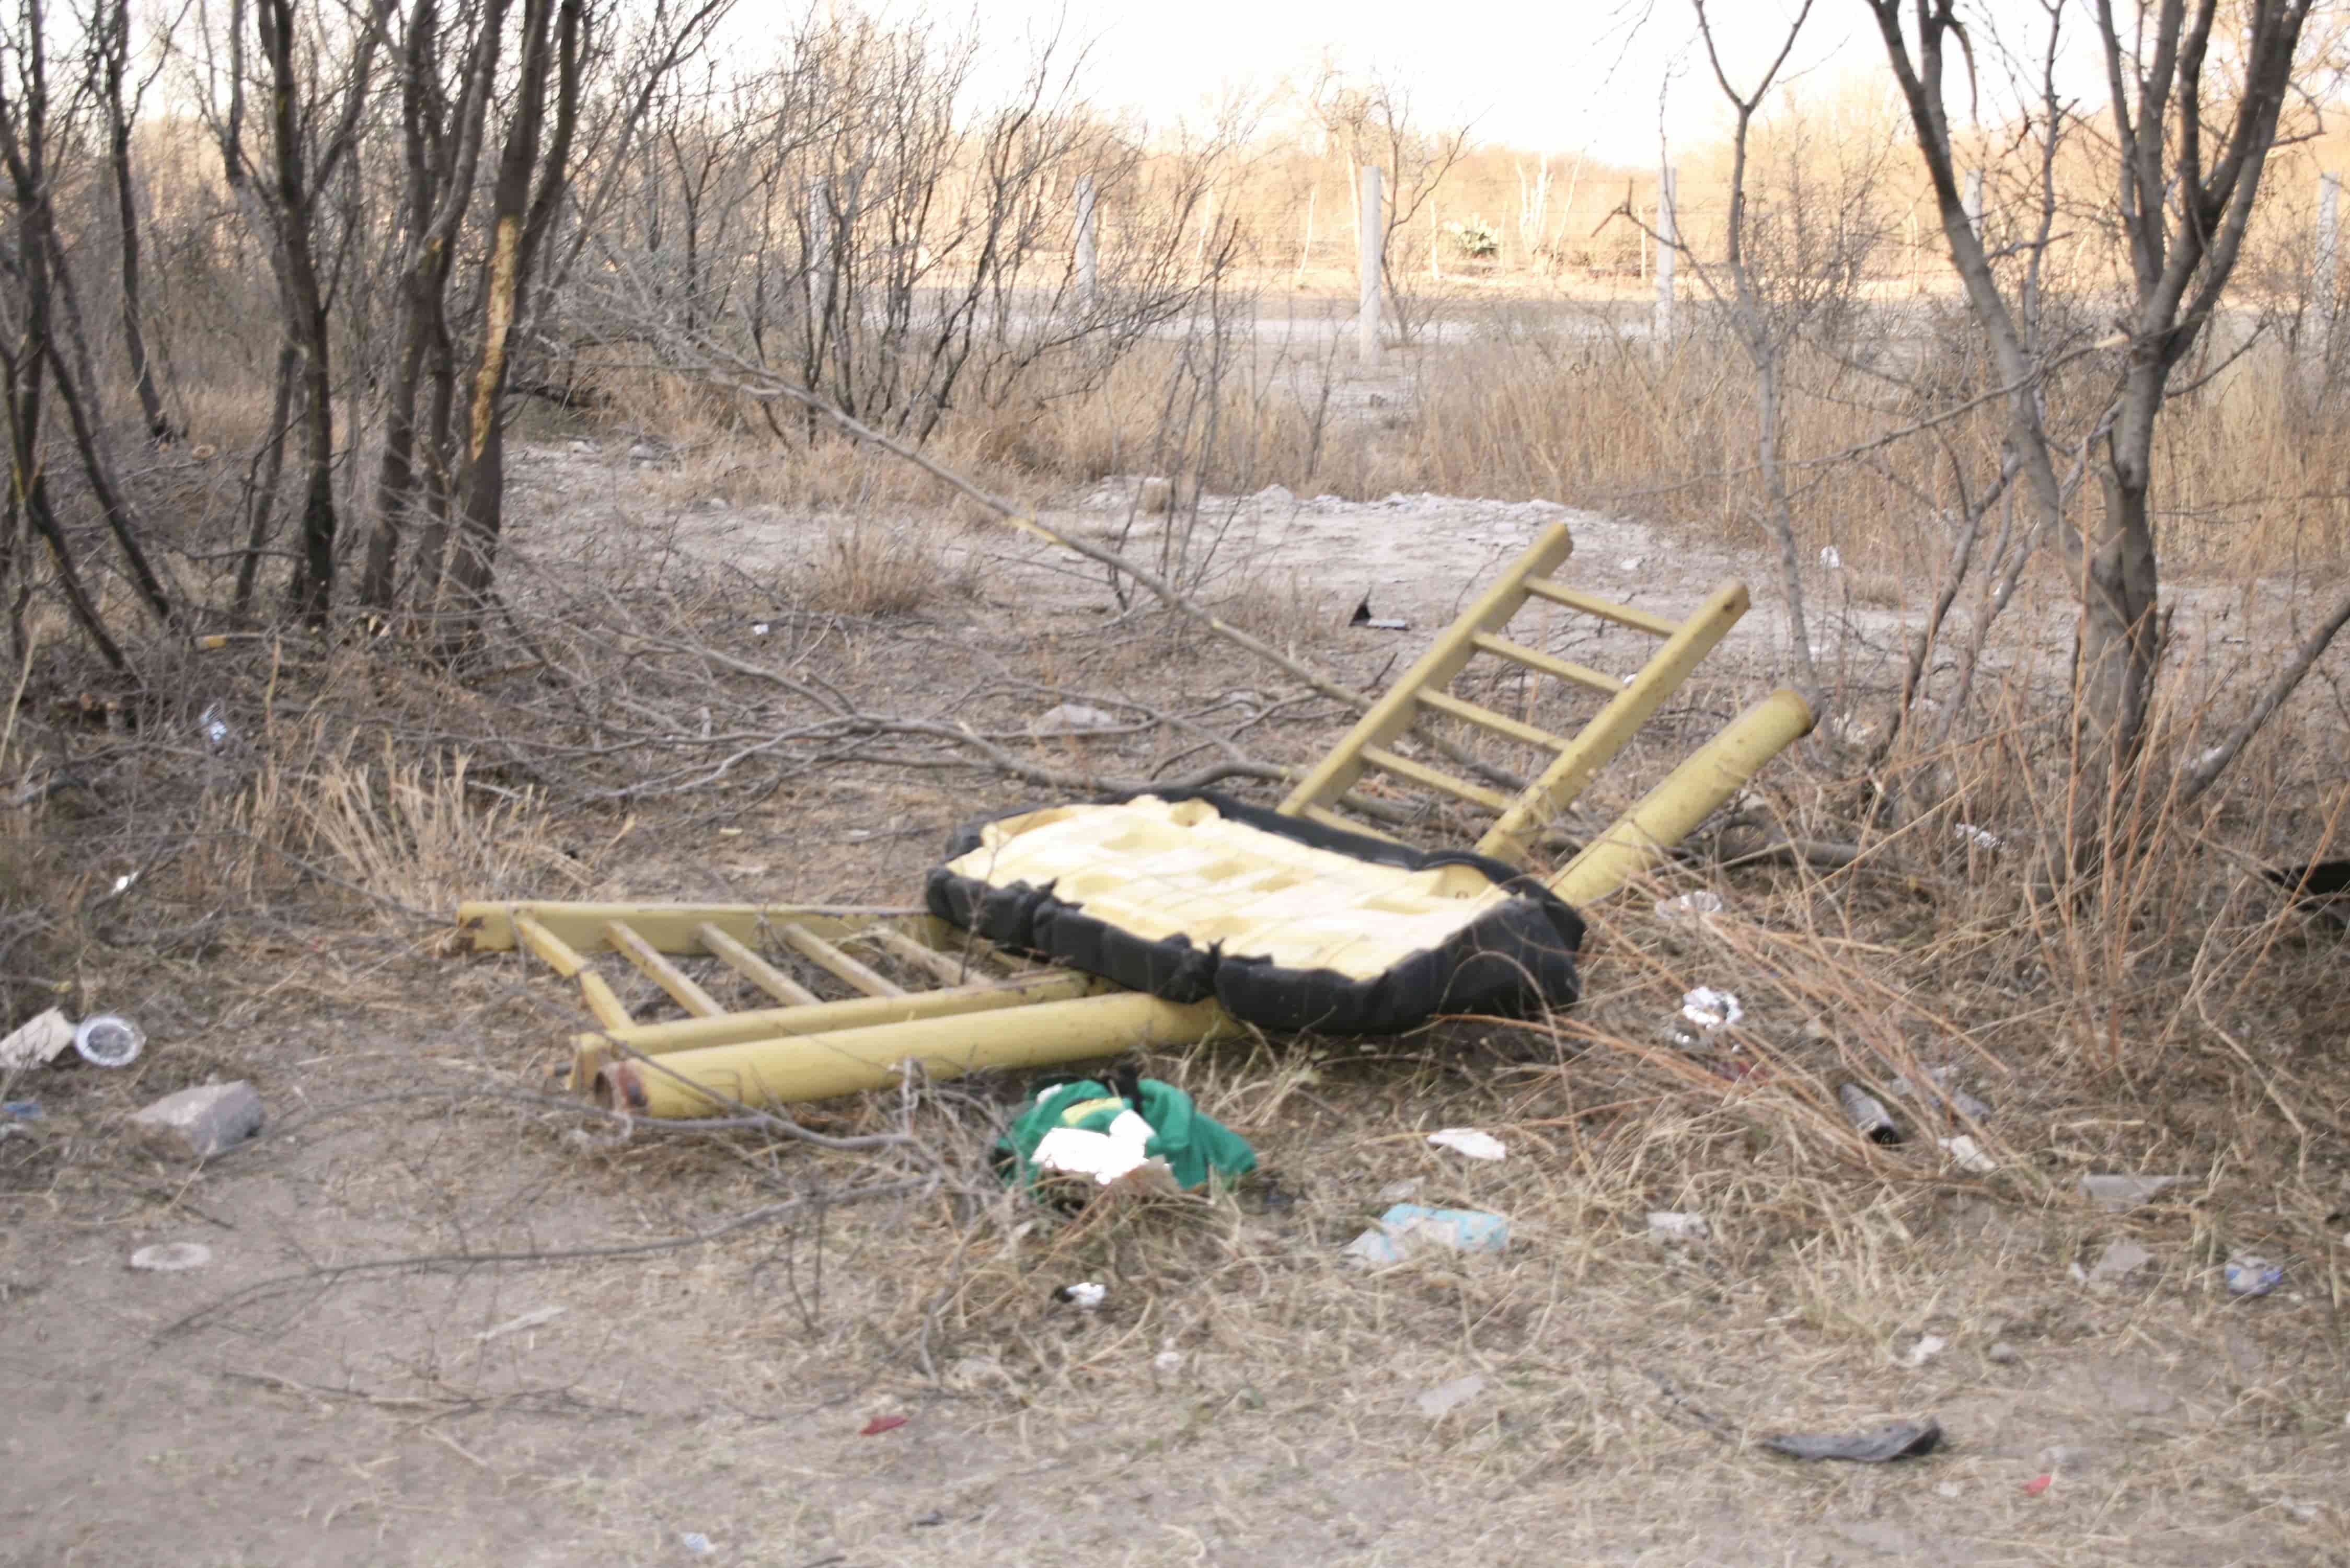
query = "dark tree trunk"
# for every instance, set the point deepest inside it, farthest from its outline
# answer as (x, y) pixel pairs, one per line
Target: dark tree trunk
(312, 591)
(519, 218)
(111, 42)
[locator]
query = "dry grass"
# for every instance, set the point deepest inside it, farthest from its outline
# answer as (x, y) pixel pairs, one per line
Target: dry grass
(878, 569)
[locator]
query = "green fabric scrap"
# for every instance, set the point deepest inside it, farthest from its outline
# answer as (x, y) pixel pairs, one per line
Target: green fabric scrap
(1192, 1143)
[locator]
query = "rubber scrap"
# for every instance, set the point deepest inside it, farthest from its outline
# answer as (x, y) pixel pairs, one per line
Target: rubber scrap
(1900, 1440)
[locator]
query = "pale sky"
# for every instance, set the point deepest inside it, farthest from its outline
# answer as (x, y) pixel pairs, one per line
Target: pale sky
(1566, 75)
(1559, 75)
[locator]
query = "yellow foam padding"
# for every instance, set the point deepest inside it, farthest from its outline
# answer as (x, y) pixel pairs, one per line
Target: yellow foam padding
(1156, 868)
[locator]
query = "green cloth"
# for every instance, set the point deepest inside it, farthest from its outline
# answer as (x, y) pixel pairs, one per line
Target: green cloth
(1192, 1143)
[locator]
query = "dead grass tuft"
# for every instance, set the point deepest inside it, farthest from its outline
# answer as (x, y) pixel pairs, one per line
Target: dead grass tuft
(881, 569)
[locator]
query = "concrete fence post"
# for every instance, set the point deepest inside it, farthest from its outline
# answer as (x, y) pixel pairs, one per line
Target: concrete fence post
(2322, 274)
(1086, 253)
(1374, 236)
(1667, 242)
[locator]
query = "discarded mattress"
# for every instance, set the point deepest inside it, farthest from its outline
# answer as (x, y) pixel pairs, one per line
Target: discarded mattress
(1289, 924)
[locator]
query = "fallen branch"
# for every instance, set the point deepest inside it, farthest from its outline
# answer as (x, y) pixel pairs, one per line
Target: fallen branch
(335, 1273)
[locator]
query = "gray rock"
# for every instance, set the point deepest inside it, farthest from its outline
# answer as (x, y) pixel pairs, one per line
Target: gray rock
(1446, 1397)
(2115, 1193)
(2003, 1353)
(2118, 1262)
(172, 1257)
(199, 1123)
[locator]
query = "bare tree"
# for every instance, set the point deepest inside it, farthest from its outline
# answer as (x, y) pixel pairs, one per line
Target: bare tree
(533, 172)
(312, 125)
(2191, 129)
(107, 48)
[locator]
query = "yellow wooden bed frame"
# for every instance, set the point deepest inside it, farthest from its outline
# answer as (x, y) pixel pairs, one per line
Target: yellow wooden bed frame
(977, 1009)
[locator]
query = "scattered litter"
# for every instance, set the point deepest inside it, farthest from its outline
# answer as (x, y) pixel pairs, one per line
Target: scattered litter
(122, 884)
(1980, 837)
(1928, 1347)
(1968, 1155)
(21, 1110)
(1689, 905)
(38, 1042)
(535, 1319)
(202, 1121)
(1469, 1141)
(1966, 1104)
(1635, 563)
(1407, 1228)
(2115, 1193)
(1085, 1295)
(930, 1521)
(1666, 1226)
(1709, 1011)
(1867, 1115)
(1446, 1397)
(1144, 1133)
(106, 1040)
(2249, 1274)
(696, 1543)
(1168, 1363)
(1900, 1440)
(2118, 1262)
(1363, 617)
(1400, 1191)
(759, 628)
(172, 1257)
(1073, 717)
(1831, 560)
(2037, 1485)
(2003, 1355)
(880, 1424)
(216, 729)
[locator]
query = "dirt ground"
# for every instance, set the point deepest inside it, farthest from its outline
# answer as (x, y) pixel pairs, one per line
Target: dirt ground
(404, 1350)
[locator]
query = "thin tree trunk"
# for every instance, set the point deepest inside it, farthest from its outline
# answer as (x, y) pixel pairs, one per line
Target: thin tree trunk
(112, 24)
(311, 593)
(264, 499)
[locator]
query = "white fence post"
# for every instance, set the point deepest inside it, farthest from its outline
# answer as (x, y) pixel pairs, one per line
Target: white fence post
(2322, 275)
(1974, 201)
(1086, 263)
(819, 226)
(1374, 232)
(1667, 242)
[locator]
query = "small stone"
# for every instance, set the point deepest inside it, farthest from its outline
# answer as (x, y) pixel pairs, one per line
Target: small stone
(2003, 1355)
(1071, 718)
(202, 1121)
(1446, 1397)
(172, 1257)
(2118, 1262)
(2115, 1193)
